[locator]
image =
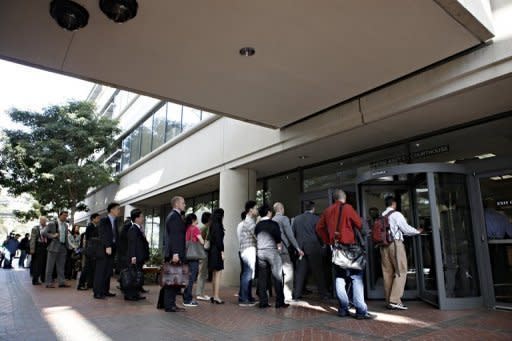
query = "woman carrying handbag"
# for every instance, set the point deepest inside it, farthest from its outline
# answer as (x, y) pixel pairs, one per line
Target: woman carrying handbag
(195, 252)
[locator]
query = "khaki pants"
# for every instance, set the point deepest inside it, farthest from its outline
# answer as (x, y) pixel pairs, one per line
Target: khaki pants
(394, 271)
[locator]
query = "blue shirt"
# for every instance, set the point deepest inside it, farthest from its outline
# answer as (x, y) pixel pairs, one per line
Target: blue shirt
(497, 224)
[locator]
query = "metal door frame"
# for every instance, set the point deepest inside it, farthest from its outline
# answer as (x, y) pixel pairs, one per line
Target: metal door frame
(486, 278)
(379, 294)
(430, 169)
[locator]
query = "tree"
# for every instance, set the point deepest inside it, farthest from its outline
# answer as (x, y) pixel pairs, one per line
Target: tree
(55, 157)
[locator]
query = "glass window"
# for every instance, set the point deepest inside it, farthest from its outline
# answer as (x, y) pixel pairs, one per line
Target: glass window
(159, 122)
(458, 248)
(344, 172)
(497, 202)
(285, 189)
(173, 120)
(146, 136)
(125, 161)
(260, 193)
(205, 115)
(121, 101)
(322, 177)
(493, 141)
(191, 117)
(135, 146)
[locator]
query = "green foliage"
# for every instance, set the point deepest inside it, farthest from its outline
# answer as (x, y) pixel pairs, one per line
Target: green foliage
(55, 157)
(155, 256)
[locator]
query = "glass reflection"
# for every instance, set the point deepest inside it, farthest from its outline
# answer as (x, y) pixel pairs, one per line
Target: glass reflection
(459, 262)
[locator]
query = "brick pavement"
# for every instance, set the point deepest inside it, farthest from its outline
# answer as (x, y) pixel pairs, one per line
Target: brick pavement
(37, 313)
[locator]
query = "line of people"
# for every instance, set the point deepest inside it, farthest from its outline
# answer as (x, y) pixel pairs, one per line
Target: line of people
(271, 249)
(269, 244)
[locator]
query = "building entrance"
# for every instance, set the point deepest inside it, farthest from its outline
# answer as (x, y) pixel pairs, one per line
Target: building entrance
(441, 261)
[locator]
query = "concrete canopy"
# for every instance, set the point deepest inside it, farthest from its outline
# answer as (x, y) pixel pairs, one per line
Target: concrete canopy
(310, 55)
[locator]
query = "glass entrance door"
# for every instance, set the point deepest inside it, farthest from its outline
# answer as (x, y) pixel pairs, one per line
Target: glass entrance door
(441, 261)
(411, 193)
(496, 190)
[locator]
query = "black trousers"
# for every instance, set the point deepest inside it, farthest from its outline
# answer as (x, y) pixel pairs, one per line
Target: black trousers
(104, 268)
(314, 262)
(170, 296)
(39, 263)
(88, 272)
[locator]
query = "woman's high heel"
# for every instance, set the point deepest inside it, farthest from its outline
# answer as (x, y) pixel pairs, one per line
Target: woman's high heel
(217, 301)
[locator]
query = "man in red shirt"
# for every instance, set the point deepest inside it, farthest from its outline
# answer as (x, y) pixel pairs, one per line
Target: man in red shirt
(336, 225)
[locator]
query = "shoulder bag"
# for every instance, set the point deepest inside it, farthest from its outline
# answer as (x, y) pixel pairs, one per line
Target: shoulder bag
(195, 251)
(349, 256)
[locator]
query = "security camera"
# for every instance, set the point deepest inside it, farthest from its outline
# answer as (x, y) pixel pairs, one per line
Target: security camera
(119, 11)
(68, 14)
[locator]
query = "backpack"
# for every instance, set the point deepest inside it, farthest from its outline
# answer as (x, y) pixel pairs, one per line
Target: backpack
(381, 232)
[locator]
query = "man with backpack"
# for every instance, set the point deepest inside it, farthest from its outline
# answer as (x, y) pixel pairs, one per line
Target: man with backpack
(388, 233)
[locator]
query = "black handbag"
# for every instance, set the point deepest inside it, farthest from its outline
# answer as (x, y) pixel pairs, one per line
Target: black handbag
(349, 256)
(130, 278)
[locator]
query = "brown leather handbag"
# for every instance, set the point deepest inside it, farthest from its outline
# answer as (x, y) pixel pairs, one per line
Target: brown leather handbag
(174, 275)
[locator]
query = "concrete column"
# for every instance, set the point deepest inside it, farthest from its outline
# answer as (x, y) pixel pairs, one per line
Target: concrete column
(236, 187)
(127, 210)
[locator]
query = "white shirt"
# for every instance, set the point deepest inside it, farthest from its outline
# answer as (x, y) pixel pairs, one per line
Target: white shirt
(398, 225)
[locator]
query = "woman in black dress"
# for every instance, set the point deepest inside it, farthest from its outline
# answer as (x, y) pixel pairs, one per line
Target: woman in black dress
(216, 252)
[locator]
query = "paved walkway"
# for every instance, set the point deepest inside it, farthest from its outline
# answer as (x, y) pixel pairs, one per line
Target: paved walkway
(36, 313)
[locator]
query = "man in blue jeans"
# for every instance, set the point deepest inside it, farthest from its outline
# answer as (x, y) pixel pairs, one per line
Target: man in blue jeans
(355, 277)
(247, 241)
(336, 225)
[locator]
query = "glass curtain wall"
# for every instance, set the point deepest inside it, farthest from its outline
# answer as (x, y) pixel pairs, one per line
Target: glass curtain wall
(152, 227)
(168, 121)
(285, 189)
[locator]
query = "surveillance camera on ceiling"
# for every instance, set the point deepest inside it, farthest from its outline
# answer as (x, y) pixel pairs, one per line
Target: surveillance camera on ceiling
(119, 11)
(68, 14)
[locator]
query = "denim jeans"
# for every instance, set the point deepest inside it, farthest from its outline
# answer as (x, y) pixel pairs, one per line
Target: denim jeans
(193, 268)
(248, 268)
(356, 277)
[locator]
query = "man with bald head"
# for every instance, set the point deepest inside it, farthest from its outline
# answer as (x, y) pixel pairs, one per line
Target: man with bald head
(38, 244)
(290, 249)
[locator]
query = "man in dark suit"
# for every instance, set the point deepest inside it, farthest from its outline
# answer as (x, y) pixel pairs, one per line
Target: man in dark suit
(175, 231)
(91, 237)
(138, 250)
(108, 235)
(309, 242)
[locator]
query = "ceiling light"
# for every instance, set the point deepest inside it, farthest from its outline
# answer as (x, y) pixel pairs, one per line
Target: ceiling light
(485, 156)
(247, 51)
(119, 10)
(68, 14)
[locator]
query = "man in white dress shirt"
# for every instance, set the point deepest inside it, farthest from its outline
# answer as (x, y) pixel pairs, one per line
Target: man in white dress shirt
(394, 258)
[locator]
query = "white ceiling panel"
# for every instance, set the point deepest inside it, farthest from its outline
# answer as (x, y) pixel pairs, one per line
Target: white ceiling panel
(310, 55)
